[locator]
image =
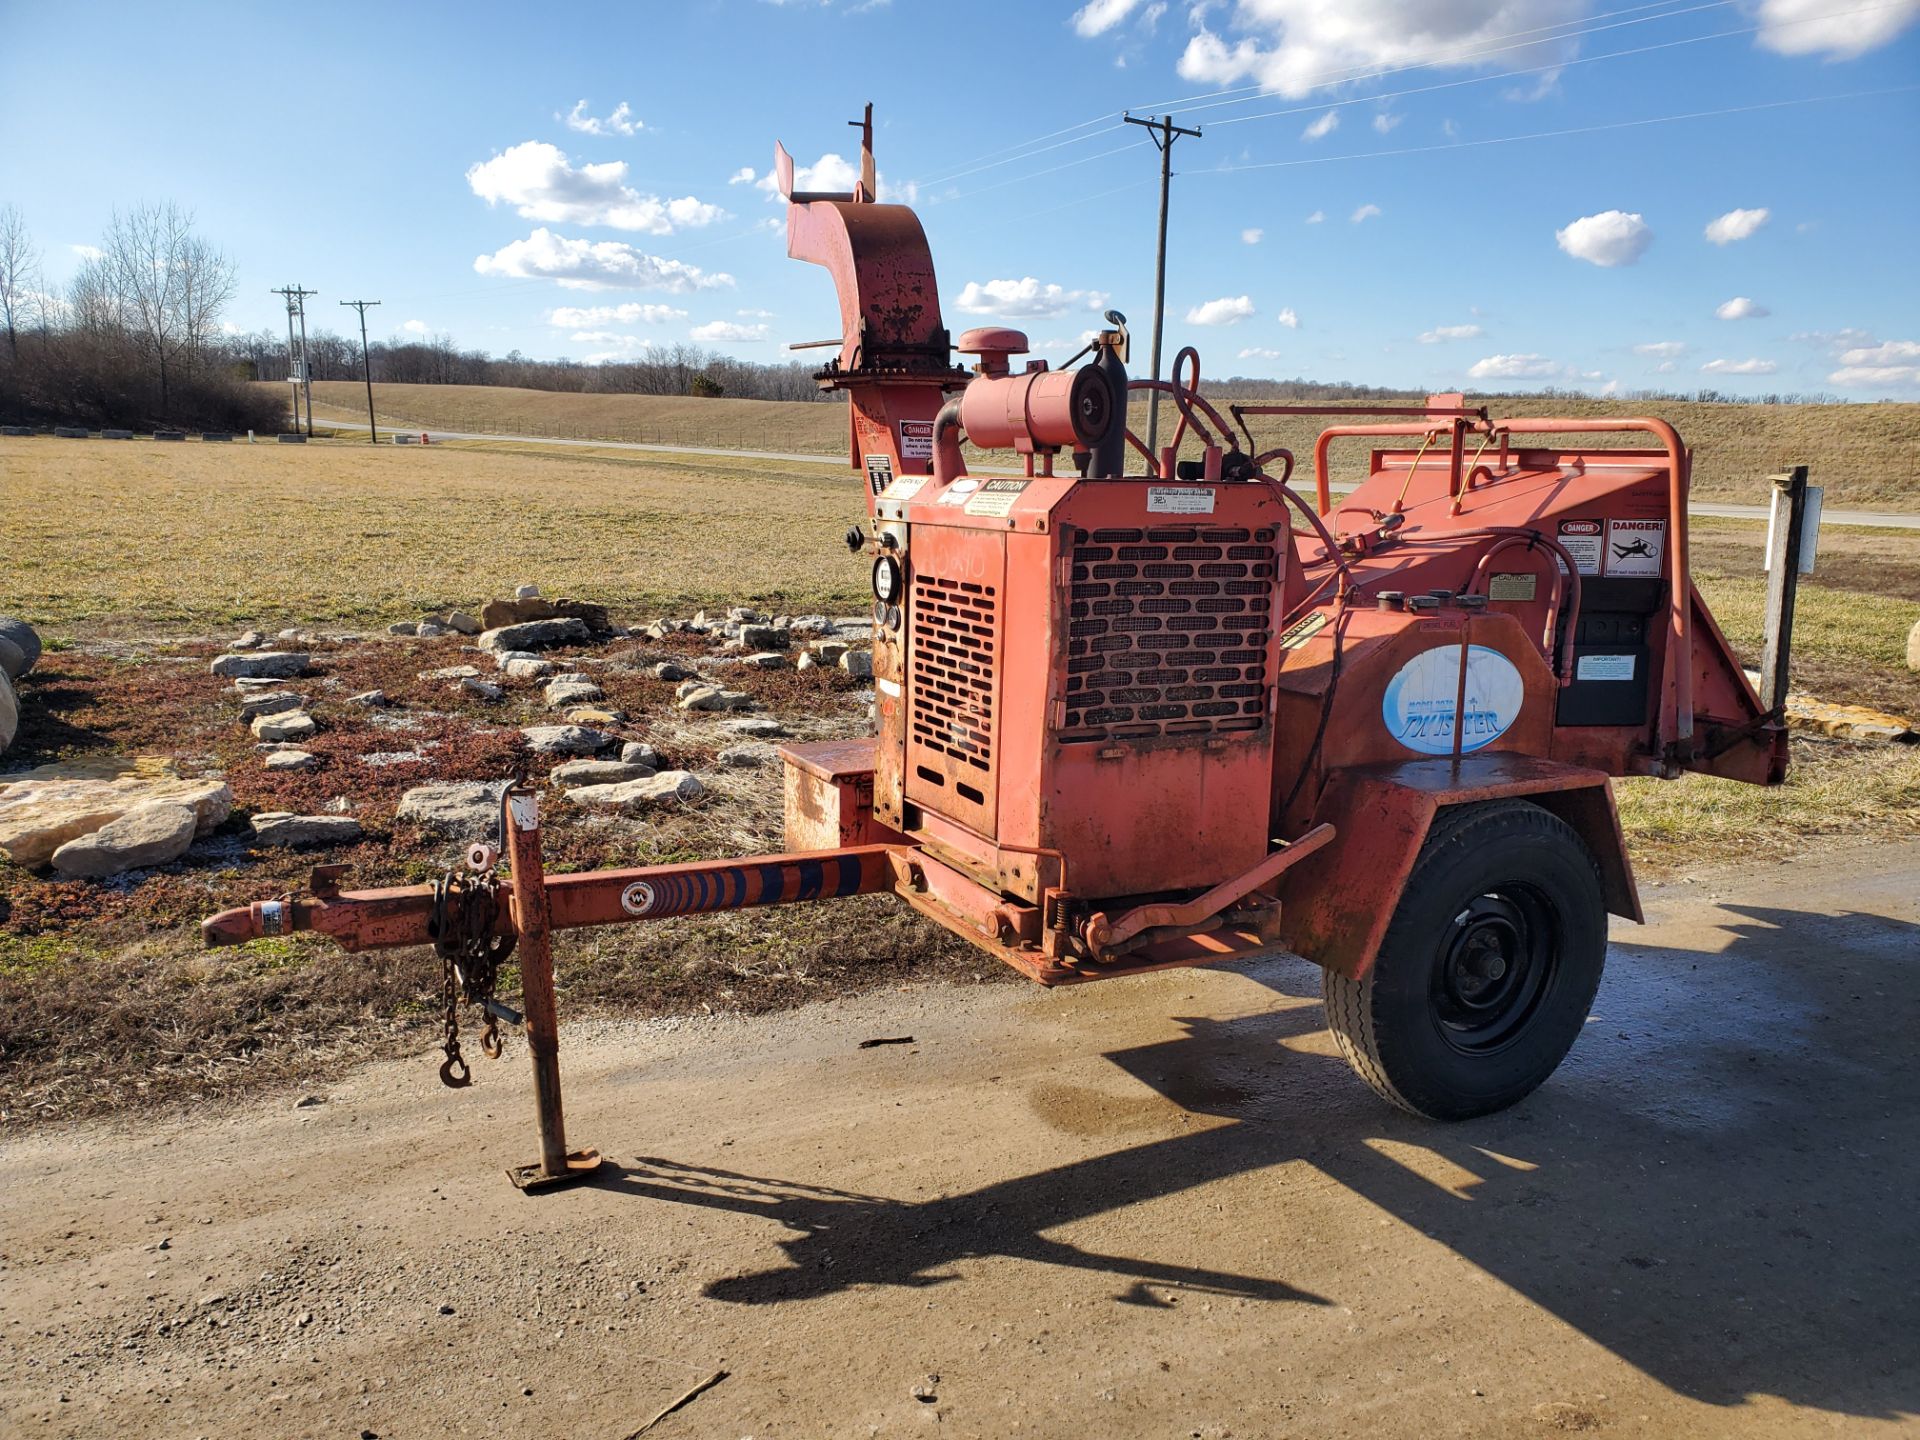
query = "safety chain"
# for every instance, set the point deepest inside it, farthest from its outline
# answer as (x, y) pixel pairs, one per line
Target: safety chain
(466, 908)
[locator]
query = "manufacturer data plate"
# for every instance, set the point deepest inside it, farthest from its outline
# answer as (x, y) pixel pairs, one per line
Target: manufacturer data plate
(1179, 500)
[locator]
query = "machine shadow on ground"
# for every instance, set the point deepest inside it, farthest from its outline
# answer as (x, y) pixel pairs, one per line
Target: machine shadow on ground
(1716, 1187)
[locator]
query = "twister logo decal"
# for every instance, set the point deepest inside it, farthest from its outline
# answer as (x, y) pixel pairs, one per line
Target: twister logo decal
(1419, 703)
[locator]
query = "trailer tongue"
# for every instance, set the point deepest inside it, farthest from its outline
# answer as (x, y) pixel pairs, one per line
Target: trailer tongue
(1138, 710)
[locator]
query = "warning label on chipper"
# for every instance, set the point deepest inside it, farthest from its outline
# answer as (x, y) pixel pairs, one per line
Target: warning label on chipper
(1583, 540)
(1634, 546)
(916, 439)
(996, 497)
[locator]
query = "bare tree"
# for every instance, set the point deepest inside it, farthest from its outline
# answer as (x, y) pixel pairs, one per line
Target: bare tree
(19, 275)
(169, 283)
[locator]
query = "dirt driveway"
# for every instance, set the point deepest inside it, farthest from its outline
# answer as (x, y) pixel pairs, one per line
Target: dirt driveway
(1159, 1207)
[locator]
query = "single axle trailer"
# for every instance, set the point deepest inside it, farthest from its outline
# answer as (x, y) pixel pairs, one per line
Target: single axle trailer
(1138, 710)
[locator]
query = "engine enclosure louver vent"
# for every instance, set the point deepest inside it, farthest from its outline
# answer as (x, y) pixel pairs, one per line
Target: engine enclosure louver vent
(1168, 630)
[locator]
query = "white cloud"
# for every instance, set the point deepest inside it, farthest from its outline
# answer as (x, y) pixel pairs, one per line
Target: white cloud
(754, 314)
(1365, 212)
(742, 176)
(1665, 367)
(1661, 349)
(1252, 236)
(1025, 299)
(1259, 352)
(726, 330)
(1738, 367)
(595, 265)
(1440, 333)
(536, 179)
(1741, 308)
(575, 317)
(1817, 27)
(414, 327)
(1835, 341)
(1294, 46)
(1288, 319)
(1383, 123)
(1228, 310)
(1516, 367)
(1736, 225)
(619, 122)
(831, 174)
(1316, 217)
(1324, 126)
(1150, 17)
(87, 252)
(1893, 365)
(1099, 16)
(1609, 239)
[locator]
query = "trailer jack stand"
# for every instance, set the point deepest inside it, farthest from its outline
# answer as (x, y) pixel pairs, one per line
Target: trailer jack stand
(557, 1166)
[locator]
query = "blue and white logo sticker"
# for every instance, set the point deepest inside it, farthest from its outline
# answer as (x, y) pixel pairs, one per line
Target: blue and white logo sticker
(1419, 704)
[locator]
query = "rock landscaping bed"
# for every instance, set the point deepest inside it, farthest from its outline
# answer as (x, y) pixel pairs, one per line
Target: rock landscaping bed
(158, 782)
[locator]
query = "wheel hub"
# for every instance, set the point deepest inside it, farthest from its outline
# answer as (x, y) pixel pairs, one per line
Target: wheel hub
(1493, 964)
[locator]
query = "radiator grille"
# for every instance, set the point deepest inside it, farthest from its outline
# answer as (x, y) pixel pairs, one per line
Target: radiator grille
(953, 666)
(1167, 633)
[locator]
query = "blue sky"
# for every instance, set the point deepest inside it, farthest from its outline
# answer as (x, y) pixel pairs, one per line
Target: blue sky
(1359, 206)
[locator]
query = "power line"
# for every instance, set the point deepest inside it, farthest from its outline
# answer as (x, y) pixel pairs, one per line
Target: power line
(298, 371)
(366, 366)
(1163, 133)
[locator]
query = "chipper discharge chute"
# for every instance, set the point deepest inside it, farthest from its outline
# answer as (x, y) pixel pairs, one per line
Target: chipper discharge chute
(1143, 710)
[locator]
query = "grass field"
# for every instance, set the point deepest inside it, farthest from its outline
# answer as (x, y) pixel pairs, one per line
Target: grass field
(105, 996)
(1867, 456)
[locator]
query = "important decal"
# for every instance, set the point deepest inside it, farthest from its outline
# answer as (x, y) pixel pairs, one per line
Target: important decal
(996, 497)
(1420, 702)
(1603, 667)
(905, 487)
(1515, 585)
(637, 898)
(916, 439)
(879, 471)
(1301, 631)
(960, 490)
(1179, 500)
(1634, 546)
(1584, 541)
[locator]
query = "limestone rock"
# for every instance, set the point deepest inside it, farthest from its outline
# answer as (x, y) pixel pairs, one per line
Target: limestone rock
(535, 635)
(806, 662)
(830, 651)
(270, 702)
(522, 609)
(754, 728)
(450, 672)
(741, 615)
(638, 752)
(566, 740)
(695, 696)
(566, 691)
(147, 835)
(810, 625)
(746, 757)
(403, 627)
(9, 713)
(1913, 647)
(671, 670)
(285, 829)
(431, 629)
(249, 640)
(25, 639)
(858, 664)
(574, 773)
(766, 660)
(595, 718)
(284, 725)
(42, 809)
(527, 667)
(763, 637)
(262, 664)
(482, 689)
(632, 796)
(1848, 722)
(461, 807)
(291, 759)
(372, 699)
(13, 662)
(462, 623)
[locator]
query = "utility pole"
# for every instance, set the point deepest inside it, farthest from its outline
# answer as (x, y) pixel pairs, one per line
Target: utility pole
(297, 369)
(1163, 133)
(366, 365)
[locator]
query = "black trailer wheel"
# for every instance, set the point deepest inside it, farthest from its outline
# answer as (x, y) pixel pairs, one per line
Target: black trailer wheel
(1488, 969)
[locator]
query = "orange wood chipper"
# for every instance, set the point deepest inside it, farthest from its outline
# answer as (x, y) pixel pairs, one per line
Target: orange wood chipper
(1140, 710)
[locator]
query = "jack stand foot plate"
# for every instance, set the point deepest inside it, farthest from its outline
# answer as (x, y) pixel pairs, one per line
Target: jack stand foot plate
(532, 1179)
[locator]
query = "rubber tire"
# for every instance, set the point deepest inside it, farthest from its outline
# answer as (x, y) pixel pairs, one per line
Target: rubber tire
(1384, 1021)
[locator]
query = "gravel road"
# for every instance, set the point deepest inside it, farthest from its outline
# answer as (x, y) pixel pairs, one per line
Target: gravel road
(1159, 1207)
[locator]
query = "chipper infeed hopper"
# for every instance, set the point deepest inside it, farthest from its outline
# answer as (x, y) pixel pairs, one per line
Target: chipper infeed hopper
(1142, 710)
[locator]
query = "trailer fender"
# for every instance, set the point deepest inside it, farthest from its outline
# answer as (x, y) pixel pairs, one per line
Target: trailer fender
(1337, 904)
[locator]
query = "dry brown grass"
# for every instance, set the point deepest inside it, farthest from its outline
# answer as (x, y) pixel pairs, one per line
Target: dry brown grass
(1868, 456)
